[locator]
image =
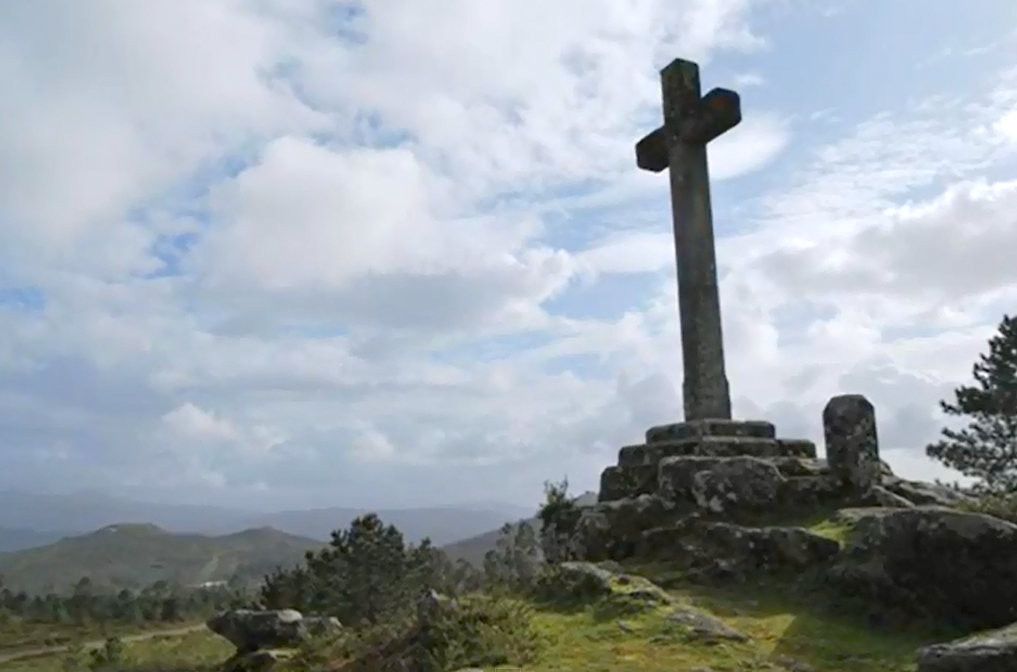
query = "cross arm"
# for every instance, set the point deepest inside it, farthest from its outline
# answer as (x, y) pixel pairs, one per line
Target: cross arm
(718, 111)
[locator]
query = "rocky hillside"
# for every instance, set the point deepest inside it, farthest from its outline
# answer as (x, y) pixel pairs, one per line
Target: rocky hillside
(136, 555)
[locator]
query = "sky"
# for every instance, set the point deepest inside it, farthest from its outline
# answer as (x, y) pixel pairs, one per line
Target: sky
(398, 253)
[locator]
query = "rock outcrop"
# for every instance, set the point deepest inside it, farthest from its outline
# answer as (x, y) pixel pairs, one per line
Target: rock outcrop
(725, 550)
(994, 651)
(956, 566)
(251, 630)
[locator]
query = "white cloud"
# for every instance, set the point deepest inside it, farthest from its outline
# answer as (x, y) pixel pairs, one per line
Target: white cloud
(747, 79)
(192, 423)
(360, 240)
(1007, 125)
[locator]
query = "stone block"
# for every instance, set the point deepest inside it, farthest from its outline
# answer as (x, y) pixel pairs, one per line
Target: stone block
(758, 429)
(706, 446)
(627, 481)
(720, 484)
(611, 530)
(852, 450)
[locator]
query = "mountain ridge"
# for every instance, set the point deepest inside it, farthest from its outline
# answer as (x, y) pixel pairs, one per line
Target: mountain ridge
(134, 555)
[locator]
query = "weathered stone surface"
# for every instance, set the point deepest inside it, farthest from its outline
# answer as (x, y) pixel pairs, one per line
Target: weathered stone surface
(251, 630)
(708, 446)
(958, 567)
(582, 579)
(877, 495)
(852, 449)
(757, 429)
(725, 549)
(852, 514)
(594, 580)
(704, 627)
(628, 481)
(807, 491)
(720, 484)
(994, 651)
(925, 493)
(611, 530)
(800, 466)
(796, 448)
(690, 121)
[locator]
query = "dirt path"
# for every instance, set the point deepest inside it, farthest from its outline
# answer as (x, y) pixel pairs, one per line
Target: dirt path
(8, 656)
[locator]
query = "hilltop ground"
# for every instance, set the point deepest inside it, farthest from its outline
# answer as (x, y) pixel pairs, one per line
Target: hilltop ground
(786, 629)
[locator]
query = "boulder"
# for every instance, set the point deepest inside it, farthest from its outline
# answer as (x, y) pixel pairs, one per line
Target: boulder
(587, 580)
(251, 630)
(721, 484)
(954, 566)
(852, 449)
(701, 626)
(994, 651)
(582, 579)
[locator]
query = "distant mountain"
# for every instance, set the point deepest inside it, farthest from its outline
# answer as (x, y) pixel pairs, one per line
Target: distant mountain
(86, 511)
(78, 513)
(137, 555)
(473, 549)
(440, 524)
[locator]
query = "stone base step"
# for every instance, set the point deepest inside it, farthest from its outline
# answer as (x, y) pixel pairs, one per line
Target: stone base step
(758, 429)
(628, 481)
(725, 484)
(715, 446)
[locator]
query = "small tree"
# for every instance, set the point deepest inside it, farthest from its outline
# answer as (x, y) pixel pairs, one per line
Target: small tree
(558, 517)
(987, 448)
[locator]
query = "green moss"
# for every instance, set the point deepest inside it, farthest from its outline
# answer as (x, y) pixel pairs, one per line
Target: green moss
(832, 529)
(783, 624)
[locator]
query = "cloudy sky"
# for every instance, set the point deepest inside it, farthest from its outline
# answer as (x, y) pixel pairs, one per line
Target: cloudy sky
(391, 253)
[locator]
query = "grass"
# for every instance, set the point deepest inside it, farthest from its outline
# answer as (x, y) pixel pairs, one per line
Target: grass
(16, 634)
(193, 651)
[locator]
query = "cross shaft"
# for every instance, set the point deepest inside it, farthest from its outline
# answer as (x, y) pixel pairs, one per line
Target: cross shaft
(691, 121)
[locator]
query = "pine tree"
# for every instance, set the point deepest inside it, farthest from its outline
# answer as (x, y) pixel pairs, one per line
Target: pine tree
(987, 448)
(558, 518)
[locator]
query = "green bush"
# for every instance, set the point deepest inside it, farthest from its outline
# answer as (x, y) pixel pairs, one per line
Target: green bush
(109, 656)
(480, 631)
(1000, 506)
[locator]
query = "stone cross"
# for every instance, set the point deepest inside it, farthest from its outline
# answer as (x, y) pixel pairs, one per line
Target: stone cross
(691, 121)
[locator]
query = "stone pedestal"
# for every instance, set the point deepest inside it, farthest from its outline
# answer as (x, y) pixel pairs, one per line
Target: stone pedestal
(639, 466)
(852, 450)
